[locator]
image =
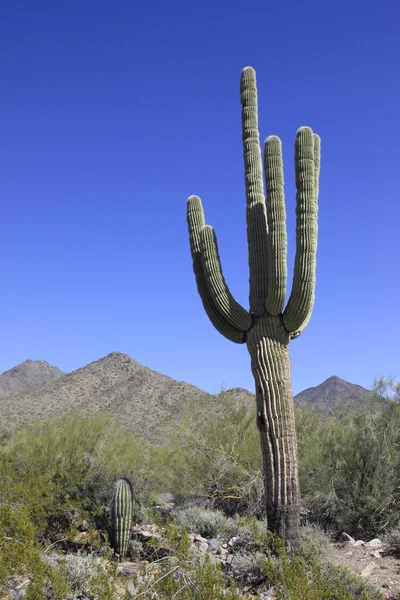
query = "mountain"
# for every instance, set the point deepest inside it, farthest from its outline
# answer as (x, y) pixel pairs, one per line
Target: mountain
(29, 375)
(332, 392)
(145, 400)
(116, 384)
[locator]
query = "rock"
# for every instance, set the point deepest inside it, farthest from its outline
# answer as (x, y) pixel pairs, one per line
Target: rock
(20, 590)
(214, 544)
(130, 568)
(147, 535)
(80, 538)
(84, 526)
(120, 591)
(232, 541)
(127, 571)
(375, 543)
(131, 589)
(375, 554)
(345, 537)
(203, 547)
(199, 538)
(358, 543)
(366, 572)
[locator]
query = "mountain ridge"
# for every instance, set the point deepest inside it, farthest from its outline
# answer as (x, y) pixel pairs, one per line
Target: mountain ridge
(116, 384)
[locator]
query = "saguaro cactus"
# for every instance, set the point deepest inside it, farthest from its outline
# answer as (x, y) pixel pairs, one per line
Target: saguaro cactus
(267, 327)
(122, 514)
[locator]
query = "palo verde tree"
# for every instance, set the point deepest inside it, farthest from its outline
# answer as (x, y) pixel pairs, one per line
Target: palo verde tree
(268, 326)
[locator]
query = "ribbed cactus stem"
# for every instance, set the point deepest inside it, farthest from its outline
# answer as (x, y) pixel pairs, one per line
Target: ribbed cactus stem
(122, 514)
(267, 327)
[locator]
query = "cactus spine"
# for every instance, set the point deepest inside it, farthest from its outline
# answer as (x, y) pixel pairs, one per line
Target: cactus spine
(268, 326)
(122, 514)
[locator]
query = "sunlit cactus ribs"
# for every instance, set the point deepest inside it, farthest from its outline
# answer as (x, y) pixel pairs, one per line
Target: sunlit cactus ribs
(268, 326)
(121, 512)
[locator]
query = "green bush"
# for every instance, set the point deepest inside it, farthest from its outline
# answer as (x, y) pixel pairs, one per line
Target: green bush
(21, 556)
(213, 452)
(63, 471)
(350, 464)
(201, 520)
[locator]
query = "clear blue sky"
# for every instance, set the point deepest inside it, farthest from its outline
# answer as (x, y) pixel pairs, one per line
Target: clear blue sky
(114, 112)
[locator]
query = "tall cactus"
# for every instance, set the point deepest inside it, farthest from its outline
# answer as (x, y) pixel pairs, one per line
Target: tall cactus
(121, 513)
(268, 326)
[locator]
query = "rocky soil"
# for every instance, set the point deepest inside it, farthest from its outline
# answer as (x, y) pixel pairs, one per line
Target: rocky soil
(376, 562)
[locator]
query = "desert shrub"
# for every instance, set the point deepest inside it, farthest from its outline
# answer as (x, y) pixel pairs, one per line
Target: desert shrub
(249, 529)
(21, 556)
(350, 464)
(213, 452)
(248, 567)
(314, 542)
(294, 579)
(135, 551)
(88, 576)
(201, 520)
(63, 470)
(392, 537)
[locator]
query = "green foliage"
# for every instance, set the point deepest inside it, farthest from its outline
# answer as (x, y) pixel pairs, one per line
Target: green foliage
(88, 576)
(18, 546)
(21, 554)
(296, 578)
(201, 520)
(213, 452)
(63, 471)
(350, 464)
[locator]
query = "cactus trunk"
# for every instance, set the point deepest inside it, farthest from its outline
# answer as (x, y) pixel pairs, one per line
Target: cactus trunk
(268, 345)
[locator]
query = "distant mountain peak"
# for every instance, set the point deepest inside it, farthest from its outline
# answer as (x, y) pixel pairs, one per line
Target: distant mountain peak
(330, 392)
(333, 378)
(27, 376)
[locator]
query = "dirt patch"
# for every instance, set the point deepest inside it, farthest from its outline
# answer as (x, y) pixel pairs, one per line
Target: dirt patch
(378, 566)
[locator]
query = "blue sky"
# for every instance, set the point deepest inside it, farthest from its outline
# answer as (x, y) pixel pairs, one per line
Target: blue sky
(114, 112)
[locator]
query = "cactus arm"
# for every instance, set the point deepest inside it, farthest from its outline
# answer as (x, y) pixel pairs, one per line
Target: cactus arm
(276, 218)
(230, 310)
(307, 159)
(195, 218)
(256, 212)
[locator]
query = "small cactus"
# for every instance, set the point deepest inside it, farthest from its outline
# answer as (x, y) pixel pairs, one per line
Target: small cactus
(122, 515)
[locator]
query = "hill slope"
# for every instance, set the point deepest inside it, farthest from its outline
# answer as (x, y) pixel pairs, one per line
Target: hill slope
(29, 375)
